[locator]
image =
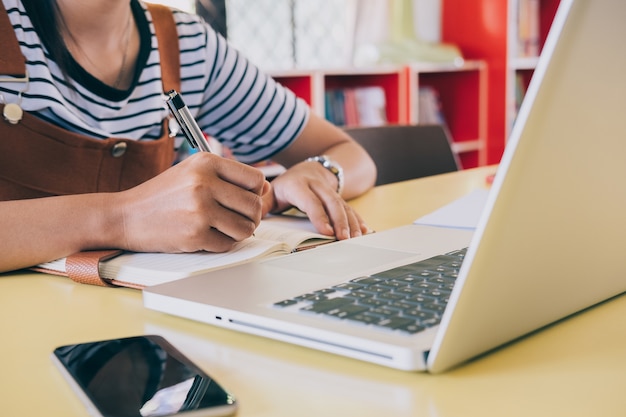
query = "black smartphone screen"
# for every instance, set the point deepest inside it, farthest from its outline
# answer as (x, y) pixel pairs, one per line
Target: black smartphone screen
(141, 376)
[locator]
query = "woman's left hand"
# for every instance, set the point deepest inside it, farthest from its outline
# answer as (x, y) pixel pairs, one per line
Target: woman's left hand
(308, 187)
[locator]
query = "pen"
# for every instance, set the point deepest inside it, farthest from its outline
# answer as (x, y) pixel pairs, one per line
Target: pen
(187, 123)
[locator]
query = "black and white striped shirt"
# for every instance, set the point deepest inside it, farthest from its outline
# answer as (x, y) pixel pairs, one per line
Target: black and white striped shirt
(231, 99)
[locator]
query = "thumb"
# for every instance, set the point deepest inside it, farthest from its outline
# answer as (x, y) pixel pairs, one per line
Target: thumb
(267, 195)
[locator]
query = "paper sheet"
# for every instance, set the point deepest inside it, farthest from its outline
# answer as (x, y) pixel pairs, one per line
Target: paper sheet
(462, 213)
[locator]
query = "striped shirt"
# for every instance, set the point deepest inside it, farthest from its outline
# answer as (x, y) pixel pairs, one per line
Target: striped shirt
(234, 102)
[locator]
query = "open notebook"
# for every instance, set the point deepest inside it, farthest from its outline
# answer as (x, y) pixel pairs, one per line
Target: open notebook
(549, 242)
(276, 235)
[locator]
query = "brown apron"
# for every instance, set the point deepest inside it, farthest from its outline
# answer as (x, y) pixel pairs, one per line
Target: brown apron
(38, 159)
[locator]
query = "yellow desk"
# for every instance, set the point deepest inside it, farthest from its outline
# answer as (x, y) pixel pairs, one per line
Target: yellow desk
(575, 368)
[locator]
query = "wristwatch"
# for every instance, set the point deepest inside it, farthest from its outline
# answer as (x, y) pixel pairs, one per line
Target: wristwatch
(332, 166)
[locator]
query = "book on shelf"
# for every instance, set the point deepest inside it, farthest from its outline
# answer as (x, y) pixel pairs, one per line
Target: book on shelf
(371, 106)
(518, 97)
(275, 236)
(350, 107)
(356, 106)
(429, 107)
(528, 16)
(338, 110)
(520, 91)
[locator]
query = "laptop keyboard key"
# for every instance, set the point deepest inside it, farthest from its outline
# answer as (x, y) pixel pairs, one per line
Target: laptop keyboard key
(341, 311)
(396, 322)
(365, 318)
(325, 306)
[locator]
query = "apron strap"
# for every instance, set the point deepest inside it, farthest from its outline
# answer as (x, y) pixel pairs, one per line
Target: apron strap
(12, 62)
(167, 39)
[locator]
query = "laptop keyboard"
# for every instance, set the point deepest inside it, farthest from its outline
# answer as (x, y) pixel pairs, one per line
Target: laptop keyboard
(409, 298)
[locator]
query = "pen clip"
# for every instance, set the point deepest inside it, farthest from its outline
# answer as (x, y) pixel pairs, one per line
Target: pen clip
(171, 97)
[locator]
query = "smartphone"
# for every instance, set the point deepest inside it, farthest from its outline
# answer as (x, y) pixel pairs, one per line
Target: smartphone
(140, 376)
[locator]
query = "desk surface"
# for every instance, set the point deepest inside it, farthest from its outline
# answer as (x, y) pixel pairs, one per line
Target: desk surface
(574, 368)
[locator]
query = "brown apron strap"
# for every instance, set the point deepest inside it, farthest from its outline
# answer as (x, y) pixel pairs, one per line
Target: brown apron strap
(167, 39)
(12, 62)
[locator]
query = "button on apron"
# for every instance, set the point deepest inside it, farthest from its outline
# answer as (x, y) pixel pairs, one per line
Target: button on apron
(119, 149)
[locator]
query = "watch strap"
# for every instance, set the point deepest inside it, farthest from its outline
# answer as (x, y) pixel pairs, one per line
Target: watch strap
(331, 166)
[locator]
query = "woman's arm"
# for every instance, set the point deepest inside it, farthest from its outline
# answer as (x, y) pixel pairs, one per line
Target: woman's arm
(203, 203)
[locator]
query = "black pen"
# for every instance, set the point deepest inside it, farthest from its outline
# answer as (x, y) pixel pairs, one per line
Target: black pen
(187, 123)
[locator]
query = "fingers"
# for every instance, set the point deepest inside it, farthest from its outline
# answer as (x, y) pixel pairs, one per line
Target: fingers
(334, 214)
(269, 200)
(234, 198)
(240, 175)
(237, 212)
(328, 212)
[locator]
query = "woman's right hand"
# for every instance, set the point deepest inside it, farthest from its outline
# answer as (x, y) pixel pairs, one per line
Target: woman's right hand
(205, 202)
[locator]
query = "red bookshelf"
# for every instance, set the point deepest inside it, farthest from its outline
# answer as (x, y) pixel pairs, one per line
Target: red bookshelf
(462, 97)
(301, 83)
(461, 89)
(483, 30)
(391, 80)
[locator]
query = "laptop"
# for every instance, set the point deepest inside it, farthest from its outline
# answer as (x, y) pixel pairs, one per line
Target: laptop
(549, 242)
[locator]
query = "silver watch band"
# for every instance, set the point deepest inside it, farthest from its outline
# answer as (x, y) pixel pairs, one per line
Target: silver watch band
(333, 167)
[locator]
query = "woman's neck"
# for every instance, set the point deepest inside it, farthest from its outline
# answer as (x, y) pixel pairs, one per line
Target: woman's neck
(102, 37)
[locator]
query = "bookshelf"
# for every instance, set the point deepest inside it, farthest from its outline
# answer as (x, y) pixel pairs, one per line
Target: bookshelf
(303, 83)
(462, 96)
(313, 85)
(461, 90)
(488, 30)
(530, 21)
(389, 79)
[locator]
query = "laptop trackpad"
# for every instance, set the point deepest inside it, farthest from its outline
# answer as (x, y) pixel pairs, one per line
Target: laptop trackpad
(341, 259)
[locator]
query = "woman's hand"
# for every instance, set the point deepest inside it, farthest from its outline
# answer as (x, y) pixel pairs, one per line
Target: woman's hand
(203, 203)
(312, 189)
